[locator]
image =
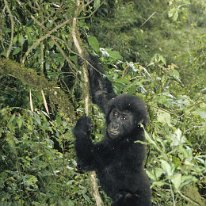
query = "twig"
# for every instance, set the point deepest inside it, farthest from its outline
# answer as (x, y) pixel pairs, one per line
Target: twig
(30, 101)
(173, 196)
(42, 49)
(12, 28)
(93, 12)
(148, 19)
(189, 199)
(55, 39)
(38, 41)
(45, 102)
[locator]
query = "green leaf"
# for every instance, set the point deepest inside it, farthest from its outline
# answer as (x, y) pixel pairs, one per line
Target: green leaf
(155, 174)
(177, 138)
(37, 119)
(173, 13)
(175, 74)
(11, 124)
(16, 50)
(159, 184)
(158, 59)
(176, 181)
(96, 4)
(183, 101)
(30, 182)
(188, 179)
(201, 111)
(93, 43)
(19, 122)
(113, 55)
(21, 39)
(167, 167)
(164, 117)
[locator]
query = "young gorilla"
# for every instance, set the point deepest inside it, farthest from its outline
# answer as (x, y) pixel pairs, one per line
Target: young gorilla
(118, 160)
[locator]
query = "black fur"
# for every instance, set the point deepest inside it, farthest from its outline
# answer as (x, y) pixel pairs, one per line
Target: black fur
(100, 87)
(119, 161)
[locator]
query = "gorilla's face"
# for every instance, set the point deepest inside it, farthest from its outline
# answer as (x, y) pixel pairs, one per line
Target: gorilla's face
(120, 124)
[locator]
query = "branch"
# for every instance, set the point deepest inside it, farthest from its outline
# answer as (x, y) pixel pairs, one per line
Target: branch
(12, 29)
(76, 40)
(30, 78)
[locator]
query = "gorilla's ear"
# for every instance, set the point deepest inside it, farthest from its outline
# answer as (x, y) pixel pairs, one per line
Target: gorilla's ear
(142, 122)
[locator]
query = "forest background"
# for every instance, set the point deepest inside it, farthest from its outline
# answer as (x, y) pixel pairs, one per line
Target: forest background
(155, 49)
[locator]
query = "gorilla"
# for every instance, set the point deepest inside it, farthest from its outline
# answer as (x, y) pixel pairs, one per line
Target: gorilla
(119, 159)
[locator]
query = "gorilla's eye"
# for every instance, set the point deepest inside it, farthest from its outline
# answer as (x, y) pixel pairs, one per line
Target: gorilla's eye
(115, 113)
(124, 117)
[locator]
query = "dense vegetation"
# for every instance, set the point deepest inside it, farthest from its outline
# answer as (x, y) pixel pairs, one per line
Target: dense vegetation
(153, 48)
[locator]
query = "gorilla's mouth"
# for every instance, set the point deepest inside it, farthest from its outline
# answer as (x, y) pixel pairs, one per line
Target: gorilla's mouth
(113, 133)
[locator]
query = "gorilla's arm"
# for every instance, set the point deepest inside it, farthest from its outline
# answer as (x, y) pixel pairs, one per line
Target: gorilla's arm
(90, 156)
(83, 144)
(100, 86)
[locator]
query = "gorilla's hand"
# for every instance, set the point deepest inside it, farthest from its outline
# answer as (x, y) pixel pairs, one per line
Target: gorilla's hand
(83, 127)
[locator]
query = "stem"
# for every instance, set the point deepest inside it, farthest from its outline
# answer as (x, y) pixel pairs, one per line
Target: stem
(76, 40)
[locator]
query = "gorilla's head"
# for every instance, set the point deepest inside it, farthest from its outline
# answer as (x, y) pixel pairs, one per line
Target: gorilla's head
(124, 115)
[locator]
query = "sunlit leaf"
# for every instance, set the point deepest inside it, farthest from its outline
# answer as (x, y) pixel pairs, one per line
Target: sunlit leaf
(173, 13)
(114, 55)
(177, 138)
(167, 167)
(176, 180)
(164, 117)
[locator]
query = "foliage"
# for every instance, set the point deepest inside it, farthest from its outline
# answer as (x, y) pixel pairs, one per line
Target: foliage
(30, 78)
(32, 171)
(164, 45)
(37, 34)
(177, 130)
(140, 30)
